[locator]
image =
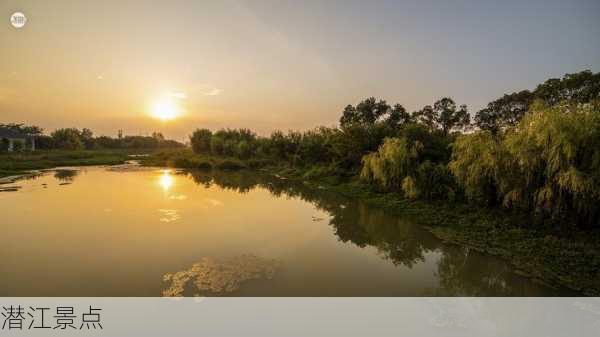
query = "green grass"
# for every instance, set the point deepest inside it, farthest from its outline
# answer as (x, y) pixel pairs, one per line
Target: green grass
(185, 158)
(21, 162)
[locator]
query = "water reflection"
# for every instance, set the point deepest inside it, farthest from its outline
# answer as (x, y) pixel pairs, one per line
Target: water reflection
(460, 271)
(9, 188)
(156, 221)
(65, 175)
(166, 180)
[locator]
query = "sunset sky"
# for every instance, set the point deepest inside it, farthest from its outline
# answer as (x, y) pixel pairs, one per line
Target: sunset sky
(107, 65)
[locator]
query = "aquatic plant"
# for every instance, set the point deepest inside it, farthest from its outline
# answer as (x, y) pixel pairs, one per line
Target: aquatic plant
(218, 277)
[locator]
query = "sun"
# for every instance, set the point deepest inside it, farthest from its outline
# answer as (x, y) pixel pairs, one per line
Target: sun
(165, 109)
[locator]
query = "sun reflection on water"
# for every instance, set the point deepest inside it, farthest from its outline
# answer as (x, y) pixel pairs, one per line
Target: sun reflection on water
(166, 180)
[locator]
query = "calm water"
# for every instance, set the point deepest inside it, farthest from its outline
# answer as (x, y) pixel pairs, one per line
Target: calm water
(150, 232)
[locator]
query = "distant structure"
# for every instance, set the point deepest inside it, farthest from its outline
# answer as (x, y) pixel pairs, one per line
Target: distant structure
(12, 137)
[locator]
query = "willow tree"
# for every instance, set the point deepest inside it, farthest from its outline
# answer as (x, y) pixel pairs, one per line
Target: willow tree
(549, 164)
(557, 153)
(394, 161)
(480, 164)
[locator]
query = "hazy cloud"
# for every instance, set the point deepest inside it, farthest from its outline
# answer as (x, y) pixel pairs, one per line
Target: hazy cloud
(180, 95)
(213, 92)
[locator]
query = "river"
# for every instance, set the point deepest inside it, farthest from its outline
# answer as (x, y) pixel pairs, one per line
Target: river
(132, 231)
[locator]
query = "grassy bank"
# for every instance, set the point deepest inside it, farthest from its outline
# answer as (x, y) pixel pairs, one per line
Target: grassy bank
(187, 159)
(21, 162)
(556, 257)
(553, 256)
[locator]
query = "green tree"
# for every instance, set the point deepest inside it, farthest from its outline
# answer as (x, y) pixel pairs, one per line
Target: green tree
(504, 112)
(394, 161)
(557, 153)
(158, 136)
(433, 181)
(508, 110)
(201, 141)
(581, 87)
(316, 145)
(87, 138)
(448, 117)
(243, 150)
(399, 165)
(426, 116)
(366, 112)
(548, 165)
(444, 116)
(67, 139)
(22, 128)
(479, 163)
(398, 116)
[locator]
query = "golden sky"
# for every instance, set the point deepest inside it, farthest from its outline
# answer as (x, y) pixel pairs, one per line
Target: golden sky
(269, 64)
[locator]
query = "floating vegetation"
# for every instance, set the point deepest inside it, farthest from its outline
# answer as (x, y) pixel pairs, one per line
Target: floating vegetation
(178, 197)
(169, 215)
(217, 277)
(214, 202)
(130, 166)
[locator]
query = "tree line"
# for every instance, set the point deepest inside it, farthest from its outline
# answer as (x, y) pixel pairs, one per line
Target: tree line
(534, 152)
(84, 139)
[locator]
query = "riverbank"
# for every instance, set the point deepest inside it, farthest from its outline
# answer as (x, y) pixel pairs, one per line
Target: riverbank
(557, 257)
(186, 159)
(554, 257)
(19, 163)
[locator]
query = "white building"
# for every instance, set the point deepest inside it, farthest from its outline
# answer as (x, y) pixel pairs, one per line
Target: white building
(11, 137)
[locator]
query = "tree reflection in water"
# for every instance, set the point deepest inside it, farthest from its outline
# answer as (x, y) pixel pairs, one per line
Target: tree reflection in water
(461, 271)
(65, 176)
